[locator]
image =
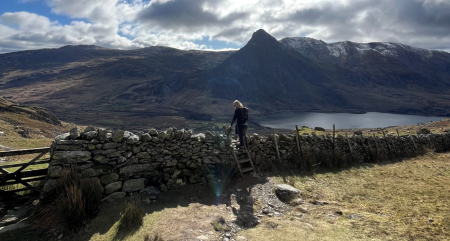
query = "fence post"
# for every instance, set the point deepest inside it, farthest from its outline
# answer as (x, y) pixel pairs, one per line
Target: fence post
(334, 144)
(276, 145)
(350, 147)
(376, 146)
(299, 148)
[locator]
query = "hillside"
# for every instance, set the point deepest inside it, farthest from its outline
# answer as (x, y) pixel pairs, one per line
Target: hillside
(159, 86)
(23, 126)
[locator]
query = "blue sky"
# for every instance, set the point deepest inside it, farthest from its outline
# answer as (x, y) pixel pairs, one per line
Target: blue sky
(219, 24)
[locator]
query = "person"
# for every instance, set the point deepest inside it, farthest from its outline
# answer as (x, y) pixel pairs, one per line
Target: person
(241, 116)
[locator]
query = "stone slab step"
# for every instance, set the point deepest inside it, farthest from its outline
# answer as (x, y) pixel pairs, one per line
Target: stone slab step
(247, 170)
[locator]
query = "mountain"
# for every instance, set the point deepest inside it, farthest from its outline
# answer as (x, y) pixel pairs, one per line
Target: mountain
(117, 87)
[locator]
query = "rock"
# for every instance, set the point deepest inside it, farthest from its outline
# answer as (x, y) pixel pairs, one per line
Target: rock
(50, 184)
(109, 178)
(286, 192)
(303, 210)
(71, 156)
(117, 136)
(146, 137)
(54, 171)
(423, 131)
(195, 179)
(319, 129)
(89, 128)
(133, 139)
(102, 135)
(113, 187)
(90, 135)
(202, 237)
(357, 133)
(13, 227)
(60, 236)
(64, 136)
(297, 201)
(143, 155)
(132, 185)
(98, 187)
(153, 132)
(130, 170)
(110, 145)
(75, 133)
(115, 195)
(351, 216)
(163, 188)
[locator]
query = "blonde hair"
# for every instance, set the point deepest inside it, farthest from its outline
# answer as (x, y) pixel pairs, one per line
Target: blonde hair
(238, 104)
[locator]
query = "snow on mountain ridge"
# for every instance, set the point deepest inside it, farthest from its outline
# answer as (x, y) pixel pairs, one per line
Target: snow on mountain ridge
(342, 48)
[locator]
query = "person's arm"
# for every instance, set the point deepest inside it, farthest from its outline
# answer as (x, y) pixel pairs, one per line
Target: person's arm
(234, 117)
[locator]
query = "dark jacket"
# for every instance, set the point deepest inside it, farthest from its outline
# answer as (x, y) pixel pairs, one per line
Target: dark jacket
(241, 115)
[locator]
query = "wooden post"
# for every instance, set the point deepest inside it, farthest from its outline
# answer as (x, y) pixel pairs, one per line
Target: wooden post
(397, 132)
(297, 138)
(412, 139)
(349, 146)
(334, 144)
(376, 145)
(387, 144)
(276, 145)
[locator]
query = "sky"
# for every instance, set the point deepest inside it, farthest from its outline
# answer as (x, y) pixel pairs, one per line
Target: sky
(219, 24)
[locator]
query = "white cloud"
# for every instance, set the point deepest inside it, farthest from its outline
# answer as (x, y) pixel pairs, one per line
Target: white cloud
(180, 23)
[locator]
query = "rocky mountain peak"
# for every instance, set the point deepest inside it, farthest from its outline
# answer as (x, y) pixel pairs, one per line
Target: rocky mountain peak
(261, 37)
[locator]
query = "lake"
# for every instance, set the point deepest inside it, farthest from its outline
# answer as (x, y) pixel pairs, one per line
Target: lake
(288, 120)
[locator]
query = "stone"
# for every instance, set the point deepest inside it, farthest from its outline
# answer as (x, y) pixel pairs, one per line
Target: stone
(133, 139)
(110, 145)
(102, 135)
(357, 133)
(297, 201)
(115, 195)
(132, 169)
(132, 185)
(91, 135)
(101, 159)
(423, 131)
(64, 136)
(286, 192)
(163, 188)
(117, 136)
(12, 227)
(319, 128)
(71, 156)
(113, 187)
(109, 178)
(75, 133)
(54, 171)
(143, 155)
(50, 184)
(146, 137)
(153, 132)
(89, 128)
(195, 179)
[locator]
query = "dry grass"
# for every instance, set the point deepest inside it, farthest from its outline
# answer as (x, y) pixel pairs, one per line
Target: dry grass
(133, 215)
(405, 200)
(69, 206)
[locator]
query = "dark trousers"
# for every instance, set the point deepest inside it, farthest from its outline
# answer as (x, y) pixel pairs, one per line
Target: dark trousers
(241, 131)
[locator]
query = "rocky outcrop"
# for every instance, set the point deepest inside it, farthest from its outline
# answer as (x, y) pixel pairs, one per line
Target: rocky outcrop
(286, 193)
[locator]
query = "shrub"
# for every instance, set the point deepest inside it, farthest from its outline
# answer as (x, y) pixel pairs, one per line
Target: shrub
(133, 215)
(70, 205)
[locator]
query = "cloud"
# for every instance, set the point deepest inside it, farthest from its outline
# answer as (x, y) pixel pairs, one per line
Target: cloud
(183, 23)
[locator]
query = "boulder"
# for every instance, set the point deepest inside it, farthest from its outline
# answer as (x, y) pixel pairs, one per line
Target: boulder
(113, 187)
(117, 135)
(153, 132)
(109, 178)
(423, 131)
(89, 128)
(71, 156)
(102, 135)
(90, 135)
(319, 128)
(146, 137)
(286, 192)
(132, 139)
(132, 185)
(64, 136)
(75, 133)
(54, 171)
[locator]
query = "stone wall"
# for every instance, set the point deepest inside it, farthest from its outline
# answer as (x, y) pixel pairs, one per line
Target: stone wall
(123, 162)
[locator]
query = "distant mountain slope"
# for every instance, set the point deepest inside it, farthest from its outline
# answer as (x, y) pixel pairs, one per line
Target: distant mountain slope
(267, 75)
(389, 64)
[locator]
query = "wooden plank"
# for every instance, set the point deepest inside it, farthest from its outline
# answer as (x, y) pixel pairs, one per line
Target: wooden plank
(350, 147)
(276, 145)
(297, 138)
(27, 180)
(21, 164)
(21, 189)
(24, 152)
(31, 173)
(32, 161)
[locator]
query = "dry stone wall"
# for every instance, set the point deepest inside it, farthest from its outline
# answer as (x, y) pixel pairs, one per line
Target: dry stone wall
(122, 162)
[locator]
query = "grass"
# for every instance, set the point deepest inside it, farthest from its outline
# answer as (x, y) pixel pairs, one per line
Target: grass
(405, 200)
(133, 215)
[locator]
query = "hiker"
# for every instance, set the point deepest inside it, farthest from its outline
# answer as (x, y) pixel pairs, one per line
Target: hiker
(241, 115)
